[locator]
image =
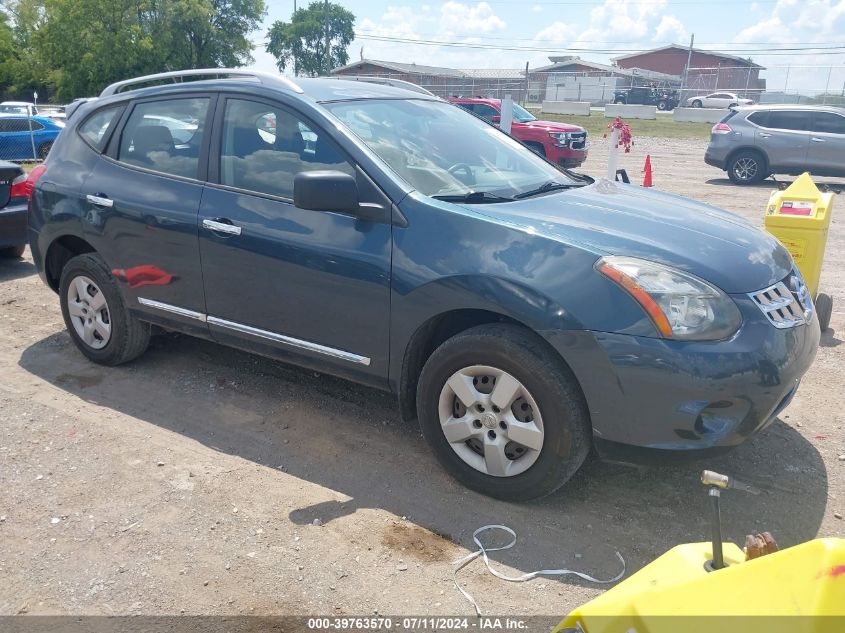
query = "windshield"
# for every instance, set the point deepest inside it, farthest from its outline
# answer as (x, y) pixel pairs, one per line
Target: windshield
(442, 151)
(521, 114)
(13, 109)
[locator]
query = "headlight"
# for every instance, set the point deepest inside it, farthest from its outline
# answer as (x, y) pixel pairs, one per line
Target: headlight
(681, 305)
(561, 138)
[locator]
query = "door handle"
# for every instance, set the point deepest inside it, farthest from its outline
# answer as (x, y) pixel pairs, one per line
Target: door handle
(816, 139)
(222, 226)
(100, 201)
(764, 135)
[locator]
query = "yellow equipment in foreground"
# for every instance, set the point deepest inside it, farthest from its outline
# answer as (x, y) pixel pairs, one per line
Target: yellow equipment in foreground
(799, 217)
(796, 590)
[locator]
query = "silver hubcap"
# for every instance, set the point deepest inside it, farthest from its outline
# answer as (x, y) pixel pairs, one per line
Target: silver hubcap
(491, 421)
(89, 312)
(745, 168)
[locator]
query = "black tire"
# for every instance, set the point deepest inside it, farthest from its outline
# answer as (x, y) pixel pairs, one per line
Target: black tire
(537, 148)
(662, 106)
(44, 149)
(824, 308)
(733, 105)
(747, 167)
(129, 337)
(697, 104)
(13, 252)
(524, 355)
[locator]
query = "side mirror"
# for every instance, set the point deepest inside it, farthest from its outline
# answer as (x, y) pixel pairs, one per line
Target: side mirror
(330, 190)
(496, 119)
(326, 190)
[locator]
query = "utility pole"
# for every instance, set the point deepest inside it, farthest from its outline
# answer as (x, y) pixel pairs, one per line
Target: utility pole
(527, 84)
(685, 82)
(328, 49)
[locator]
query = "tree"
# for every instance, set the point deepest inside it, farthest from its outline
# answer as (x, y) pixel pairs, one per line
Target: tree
(303, 39)
(83, 45)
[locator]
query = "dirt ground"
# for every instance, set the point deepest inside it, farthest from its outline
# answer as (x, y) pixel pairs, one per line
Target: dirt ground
(190, 481)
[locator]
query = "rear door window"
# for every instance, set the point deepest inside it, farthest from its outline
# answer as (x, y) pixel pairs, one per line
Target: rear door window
(485, 111)
(827, 123)
(165, 136)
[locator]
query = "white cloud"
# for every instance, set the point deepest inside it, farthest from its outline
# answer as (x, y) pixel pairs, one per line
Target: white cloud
(800, 22)
(670, 30)
(458, 17)
(537, 8)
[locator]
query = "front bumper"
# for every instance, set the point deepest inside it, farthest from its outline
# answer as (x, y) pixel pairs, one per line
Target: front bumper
(566, 156)
(13, 221)
(655, 397)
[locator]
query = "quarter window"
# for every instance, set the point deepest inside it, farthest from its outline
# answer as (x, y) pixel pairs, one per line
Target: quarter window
(828, 123)
(94, 129)
(788, 120)
(165, 136)
(264, 147)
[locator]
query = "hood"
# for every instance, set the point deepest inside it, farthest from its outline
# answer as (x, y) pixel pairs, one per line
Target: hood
(611, 218)
(551, 126)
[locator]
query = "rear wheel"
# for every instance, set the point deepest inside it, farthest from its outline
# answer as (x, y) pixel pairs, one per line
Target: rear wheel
(13, 252)
(662, 105)
(502, 413)
(747, 167)
(44, 149)
(95, 314)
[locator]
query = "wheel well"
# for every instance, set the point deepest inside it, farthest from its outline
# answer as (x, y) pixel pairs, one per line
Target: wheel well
(754, 150)
(428, 337)
(62, 250)
(536, 146)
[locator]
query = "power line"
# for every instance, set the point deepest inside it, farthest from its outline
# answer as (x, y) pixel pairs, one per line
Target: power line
(807, 50)
(630, 42)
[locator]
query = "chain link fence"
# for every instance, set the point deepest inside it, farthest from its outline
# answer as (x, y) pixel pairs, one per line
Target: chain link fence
(26, 133)
(779, 84)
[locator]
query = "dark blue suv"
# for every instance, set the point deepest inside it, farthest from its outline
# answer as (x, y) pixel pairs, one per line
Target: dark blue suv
(522, 313)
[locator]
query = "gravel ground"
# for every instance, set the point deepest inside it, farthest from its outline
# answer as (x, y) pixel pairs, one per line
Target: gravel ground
(202, 480)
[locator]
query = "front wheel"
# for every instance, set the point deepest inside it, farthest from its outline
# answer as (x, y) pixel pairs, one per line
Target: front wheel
(503, 414)
(95, 314)
(824, 308)
(662, 105)
(697, 104)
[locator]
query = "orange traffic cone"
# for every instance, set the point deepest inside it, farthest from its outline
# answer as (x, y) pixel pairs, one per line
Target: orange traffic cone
(647, 170)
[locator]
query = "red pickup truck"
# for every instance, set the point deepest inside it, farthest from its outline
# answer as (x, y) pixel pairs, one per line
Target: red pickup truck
(561, 143)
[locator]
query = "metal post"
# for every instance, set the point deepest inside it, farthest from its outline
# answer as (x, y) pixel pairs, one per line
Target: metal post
(328, 48)
(786, 81)
(827, 85)
(527, 85)
(612, 153)
(686, 68)
(718, 557)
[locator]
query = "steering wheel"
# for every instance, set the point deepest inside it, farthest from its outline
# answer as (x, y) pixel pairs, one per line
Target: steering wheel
(469, 177)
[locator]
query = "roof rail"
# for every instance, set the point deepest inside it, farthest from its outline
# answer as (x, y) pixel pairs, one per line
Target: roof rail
(387, 81)
(270, 79)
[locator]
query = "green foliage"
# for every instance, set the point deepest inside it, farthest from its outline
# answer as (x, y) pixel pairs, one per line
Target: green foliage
(77, 47)
(302, 41)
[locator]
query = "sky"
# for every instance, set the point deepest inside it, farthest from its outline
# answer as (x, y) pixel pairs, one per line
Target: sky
(608, 25)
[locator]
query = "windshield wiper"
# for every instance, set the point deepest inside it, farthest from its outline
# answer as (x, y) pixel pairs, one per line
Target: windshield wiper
(475, 197)
(544, 188)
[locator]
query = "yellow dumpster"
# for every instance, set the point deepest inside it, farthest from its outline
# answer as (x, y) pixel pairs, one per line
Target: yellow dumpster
(799, 216)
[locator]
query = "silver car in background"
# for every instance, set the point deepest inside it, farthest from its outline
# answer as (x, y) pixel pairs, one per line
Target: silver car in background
(718, 100)
(751, 143)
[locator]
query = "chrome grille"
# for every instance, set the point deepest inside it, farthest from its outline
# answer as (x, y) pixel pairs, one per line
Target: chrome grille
(787, 303)
(578, 140)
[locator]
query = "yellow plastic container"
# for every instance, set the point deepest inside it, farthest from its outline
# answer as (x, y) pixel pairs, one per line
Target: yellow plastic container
(772, 594)
(799, 217)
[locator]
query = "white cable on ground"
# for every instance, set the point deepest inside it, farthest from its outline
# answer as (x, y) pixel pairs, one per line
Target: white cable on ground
(482, 551)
